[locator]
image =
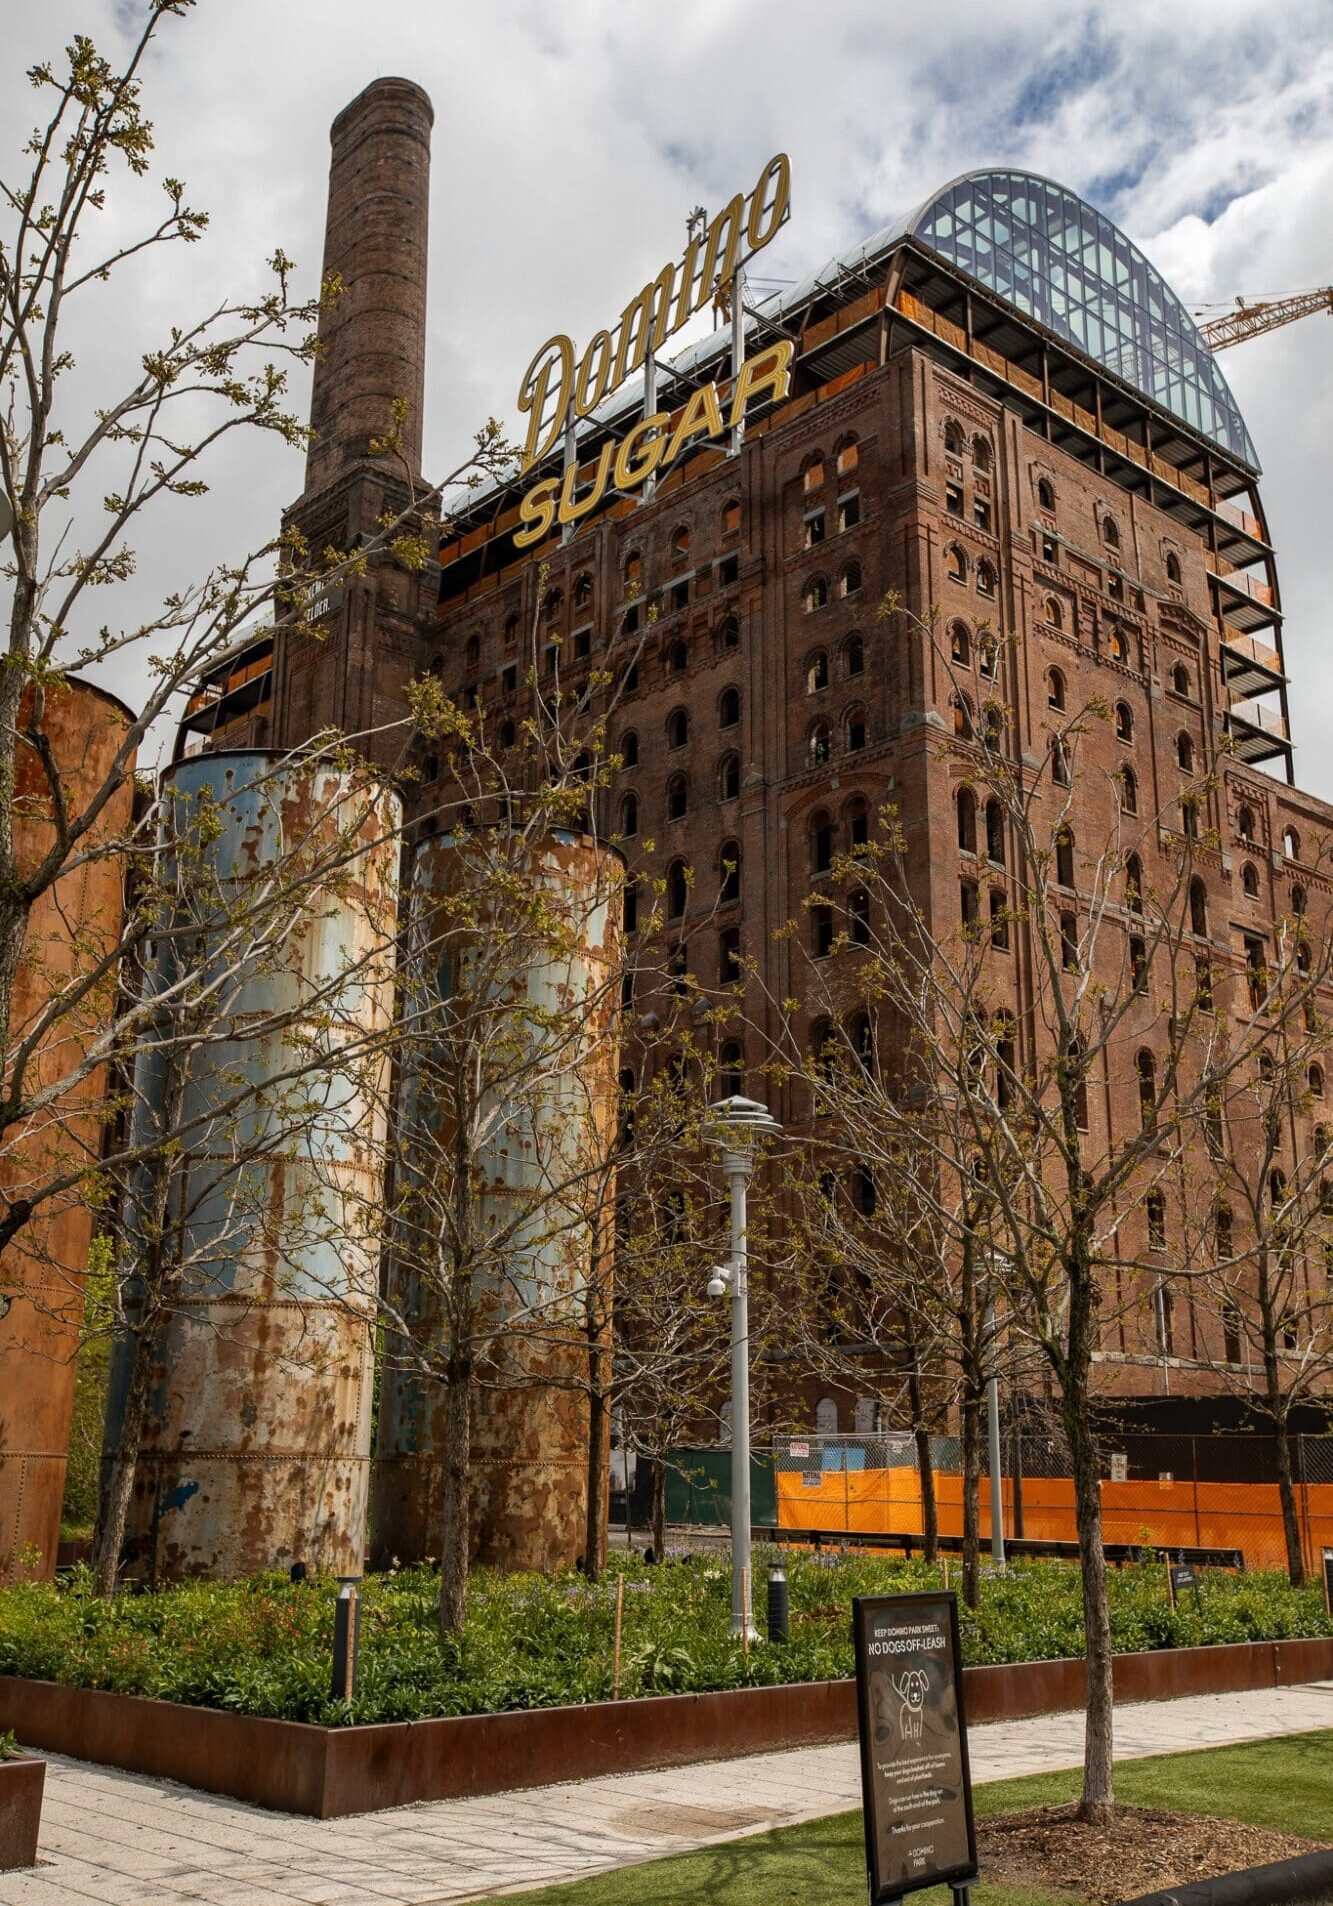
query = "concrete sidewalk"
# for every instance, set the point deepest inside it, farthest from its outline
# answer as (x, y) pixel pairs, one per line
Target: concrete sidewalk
(123, 1840)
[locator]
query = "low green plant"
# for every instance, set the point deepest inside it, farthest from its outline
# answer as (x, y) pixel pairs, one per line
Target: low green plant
(9, 1747)
(264, 1645)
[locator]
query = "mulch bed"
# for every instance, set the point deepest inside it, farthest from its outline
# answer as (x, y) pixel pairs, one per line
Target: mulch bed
(1142, 1851)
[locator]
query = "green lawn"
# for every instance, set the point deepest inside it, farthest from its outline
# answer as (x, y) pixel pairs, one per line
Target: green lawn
(1286, 1785)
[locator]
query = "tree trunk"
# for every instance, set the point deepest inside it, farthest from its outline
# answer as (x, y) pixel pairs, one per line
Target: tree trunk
(455, 1516)
(659, 1510)
(599, 1441)
(971, 1498)
(1098, 1803)
(119, 1490)
(930, 1515)
(1286, 1489)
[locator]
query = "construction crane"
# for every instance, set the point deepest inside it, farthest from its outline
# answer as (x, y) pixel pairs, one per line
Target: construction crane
(1264, 314)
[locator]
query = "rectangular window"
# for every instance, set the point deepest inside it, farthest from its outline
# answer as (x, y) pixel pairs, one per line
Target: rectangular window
(814, 528)
(999, 921)
(582, 644)
(953, 498)
(1256, 970)
(967, 902)
(1049, 550)
(849, 511)
(728, 570)
(509, 680)
(981, 512)
(680, 594)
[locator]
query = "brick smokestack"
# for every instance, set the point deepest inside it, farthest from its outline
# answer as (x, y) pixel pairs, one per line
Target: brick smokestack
(374, 335)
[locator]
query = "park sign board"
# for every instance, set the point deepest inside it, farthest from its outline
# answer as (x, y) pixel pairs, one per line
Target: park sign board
(916, 1786)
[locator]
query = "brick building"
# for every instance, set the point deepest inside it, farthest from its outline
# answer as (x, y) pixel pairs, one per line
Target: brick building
(997, 410)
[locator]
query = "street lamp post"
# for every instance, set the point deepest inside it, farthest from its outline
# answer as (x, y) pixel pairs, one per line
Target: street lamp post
(734, 1126)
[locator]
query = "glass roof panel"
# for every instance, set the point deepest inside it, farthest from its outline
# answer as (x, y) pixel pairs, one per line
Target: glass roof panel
(1085, 281)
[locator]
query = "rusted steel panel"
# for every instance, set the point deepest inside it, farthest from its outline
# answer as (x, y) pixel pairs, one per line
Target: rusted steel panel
(256, 1451)
(529, 1423)
(71, 928)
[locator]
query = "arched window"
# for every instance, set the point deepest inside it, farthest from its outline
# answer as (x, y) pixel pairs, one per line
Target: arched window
(677, 887)
(551, 608)
(821, 842)
(729, 633)
(849, 582)
(858, 916)
(1198, 906)
(1059, 762)
(1138, 963)
(854, 655)
(954, 439)
(854, 729)
(729, 956)
(1055, 688)
(1180, 679)
(471, 652)
(988, 650)
(1129, 789)
(629, 907)
(729, 708)
(1111, 532)
(1245, 824)
(858, 823)
(816, 672)
(1249, 880)
(1146, 1067)
(1055, 615)
(1298, 902)
(1045, 494)
(985, 579)
(1172, 566)
(826, 1416)
(995, 833)
(967, 820)
(817, 746)
(1185, 752)
(729, 777)
(1117, 646)
(962, 717)
(677, 728)
(633, 573)
(981, 454)
(511, 632)
(955, 564)
(583, 590)
(1316, 1081)
(1134, 884)
(677, 797)
(1064, 858)
(678, 656)
(846, 456)
(629, 816)
(815, 594)
(821, 930)
(729, 864)
(1124, 722)
(731, 1070)
(680, 541)
(1291, 843)
(812, 470)
(731, 516)
(960, 644)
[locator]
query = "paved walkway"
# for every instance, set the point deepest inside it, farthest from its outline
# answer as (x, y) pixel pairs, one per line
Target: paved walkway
(122, 1840)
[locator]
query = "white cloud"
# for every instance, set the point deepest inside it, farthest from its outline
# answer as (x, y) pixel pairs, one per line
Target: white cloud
(570, 143)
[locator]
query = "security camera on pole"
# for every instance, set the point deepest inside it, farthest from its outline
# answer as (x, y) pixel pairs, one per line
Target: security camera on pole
(734, 1126)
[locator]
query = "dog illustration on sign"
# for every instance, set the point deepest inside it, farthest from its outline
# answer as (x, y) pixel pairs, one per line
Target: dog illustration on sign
(911, 1692)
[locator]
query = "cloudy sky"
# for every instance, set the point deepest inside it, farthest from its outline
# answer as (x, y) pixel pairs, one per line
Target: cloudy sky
(571, 140)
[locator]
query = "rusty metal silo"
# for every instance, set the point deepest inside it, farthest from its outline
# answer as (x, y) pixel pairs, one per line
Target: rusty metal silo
(72, 928)
(544, 915)
(256, 1445)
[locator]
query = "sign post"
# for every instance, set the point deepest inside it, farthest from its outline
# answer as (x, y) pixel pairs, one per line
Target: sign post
(1328, 1581)
(916, 1787)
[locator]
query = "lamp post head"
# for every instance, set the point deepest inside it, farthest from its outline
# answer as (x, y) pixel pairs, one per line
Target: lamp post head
(735, 1122)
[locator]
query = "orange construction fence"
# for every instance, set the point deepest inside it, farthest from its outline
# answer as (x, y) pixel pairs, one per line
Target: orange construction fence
(1211, 1515)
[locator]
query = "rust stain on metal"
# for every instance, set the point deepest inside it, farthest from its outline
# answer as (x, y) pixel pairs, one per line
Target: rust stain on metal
(256, 1454)
(75, 924)
(529, 1427)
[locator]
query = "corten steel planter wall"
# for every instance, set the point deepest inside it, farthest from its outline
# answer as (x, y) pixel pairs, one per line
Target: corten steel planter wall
(21, 1786)
(331, 1772)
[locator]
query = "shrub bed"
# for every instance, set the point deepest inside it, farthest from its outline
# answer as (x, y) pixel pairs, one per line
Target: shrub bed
(263, 1646)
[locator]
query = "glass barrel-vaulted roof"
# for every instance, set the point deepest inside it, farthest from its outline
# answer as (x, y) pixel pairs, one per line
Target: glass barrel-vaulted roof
(1061, 261)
